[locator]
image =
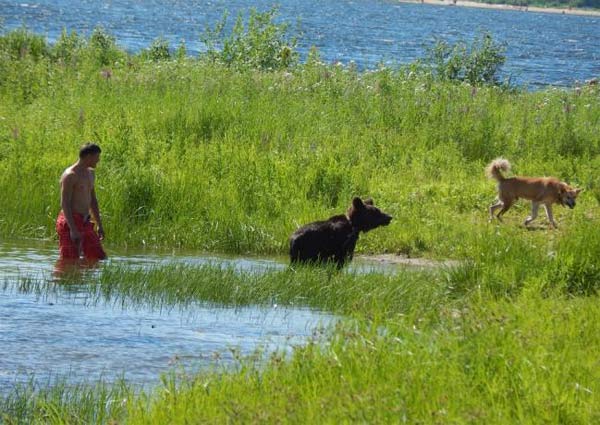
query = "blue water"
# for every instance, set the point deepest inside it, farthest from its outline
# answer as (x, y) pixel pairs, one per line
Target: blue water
(56, 331)
(543, 48)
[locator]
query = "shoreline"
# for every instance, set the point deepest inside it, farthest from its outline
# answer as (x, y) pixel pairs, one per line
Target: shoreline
(466, 3)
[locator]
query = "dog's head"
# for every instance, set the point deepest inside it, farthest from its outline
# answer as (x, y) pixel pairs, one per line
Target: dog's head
(568, 195)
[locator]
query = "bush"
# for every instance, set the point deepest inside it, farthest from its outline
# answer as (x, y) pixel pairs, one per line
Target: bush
(263, 45)
(103, 48)
(22, 43)
(68, 47)
(476, 64)
(158, 51)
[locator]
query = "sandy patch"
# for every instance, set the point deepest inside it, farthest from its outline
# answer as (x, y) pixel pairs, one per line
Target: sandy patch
(463, 3)
(393, 259)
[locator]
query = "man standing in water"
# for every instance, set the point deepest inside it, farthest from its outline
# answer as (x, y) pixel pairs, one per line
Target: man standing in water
(76, 234)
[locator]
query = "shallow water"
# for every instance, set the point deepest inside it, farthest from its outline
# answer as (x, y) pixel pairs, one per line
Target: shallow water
(68, 334)
(543, 48)
(38, 259)
(62, 336)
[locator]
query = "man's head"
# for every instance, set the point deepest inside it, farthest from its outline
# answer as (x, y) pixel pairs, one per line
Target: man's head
(90, 154)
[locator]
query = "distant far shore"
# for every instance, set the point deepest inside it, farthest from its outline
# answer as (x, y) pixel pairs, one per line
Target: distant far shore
(465, 3)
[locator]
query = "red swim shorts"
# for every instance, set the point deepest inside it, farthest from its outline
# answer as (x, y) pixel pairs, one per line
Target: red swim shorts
(90, 241)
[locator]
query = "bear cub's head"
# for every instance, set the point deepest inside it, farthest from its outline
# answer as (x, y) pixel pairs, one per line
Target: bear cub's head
(365, 216)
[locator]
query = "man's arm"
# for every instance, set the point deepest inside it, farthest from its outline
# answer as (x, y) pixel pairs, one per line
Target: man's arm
(67, 182)
(95, 209)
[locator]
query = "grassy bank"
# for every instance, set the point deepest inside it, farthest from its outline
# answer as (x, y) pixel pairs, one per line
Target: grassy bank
(510, 337)
(202, 154)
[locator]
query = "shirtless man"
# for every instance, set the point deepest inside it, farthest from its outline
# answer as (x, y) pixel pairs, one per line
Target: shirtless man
(76, 234)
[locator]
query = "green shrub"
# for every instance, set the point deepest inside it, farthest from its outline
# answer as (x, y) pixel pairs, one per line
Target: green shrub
(264, 44)
(477, 63)
(22, 43)
(103, 48)
(158, 51)
(68, 47)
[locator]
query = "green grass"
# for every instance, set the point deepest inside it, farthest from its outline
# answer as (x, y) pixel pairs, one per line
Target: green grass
(203, 156)
(502, 339)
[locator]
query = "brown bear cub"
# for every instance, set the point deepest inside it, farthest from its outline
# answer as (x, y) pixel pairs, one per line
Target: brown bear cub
(334, 240)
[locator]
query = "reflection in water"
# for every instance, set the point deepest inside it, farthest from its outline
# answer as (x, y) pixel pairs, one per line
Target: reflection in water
(39, 259)
(72, 269)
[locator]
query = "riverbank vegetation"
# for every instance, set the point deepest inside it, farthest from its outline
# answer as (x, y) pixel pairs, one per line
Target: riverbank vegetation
(216, 155)
(510, 337)
(232, 150)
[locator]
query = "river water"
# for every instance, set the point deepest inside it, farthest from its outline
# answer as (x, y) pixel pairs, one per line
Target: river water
(68, 334)
(543, 48)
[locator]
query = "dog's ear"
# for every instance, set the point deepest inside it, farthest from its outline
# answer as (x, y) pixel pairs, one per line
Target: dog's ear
(369, 201)
(578, 191)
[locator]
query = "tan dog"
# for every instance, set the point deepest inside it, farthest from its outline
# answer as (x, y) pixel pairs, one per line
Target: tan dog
(539, 190)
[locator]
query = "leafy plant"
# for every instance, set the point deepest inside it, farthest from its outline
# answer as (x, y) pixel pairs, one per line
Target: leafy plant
(158, 51)
(103, 47)
(68, 47)
(22, 43)
(263, 44)
(477, 63)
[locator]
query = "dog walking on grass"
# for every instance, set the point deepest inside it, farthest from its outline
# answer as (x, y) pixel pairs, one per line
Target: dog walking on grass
(539, 190)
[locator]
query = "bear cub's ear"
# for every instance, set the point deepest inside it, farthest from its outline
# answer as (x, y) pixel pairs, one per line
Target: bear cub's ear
(357, 203)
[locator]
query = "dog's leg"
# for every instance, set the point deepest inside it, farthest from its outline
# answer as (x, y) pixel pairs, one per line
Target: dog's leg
(534, 212)
(505, 207)
(494, 207)
(548, 208)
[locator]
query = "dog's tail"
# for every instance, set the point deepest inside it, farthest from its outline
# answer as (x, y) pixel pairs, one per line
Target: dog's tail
(493, 170)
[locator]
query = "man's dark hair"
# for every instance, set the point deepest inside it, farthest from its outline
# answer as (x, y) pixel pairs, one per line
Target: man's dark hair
(89, 149)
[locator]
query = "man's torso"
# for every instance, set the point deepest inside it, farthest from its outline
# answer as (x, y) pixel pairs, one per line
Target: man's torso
(83, 184)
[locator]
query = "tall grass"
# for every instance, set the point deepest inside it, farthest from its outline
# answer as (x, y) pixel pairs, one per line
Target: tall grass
(202, 155)
(65, 403)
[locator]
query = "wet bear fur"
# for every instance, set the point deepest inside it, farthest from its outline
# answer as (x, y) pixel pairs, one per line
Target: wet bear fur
(334, 240)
